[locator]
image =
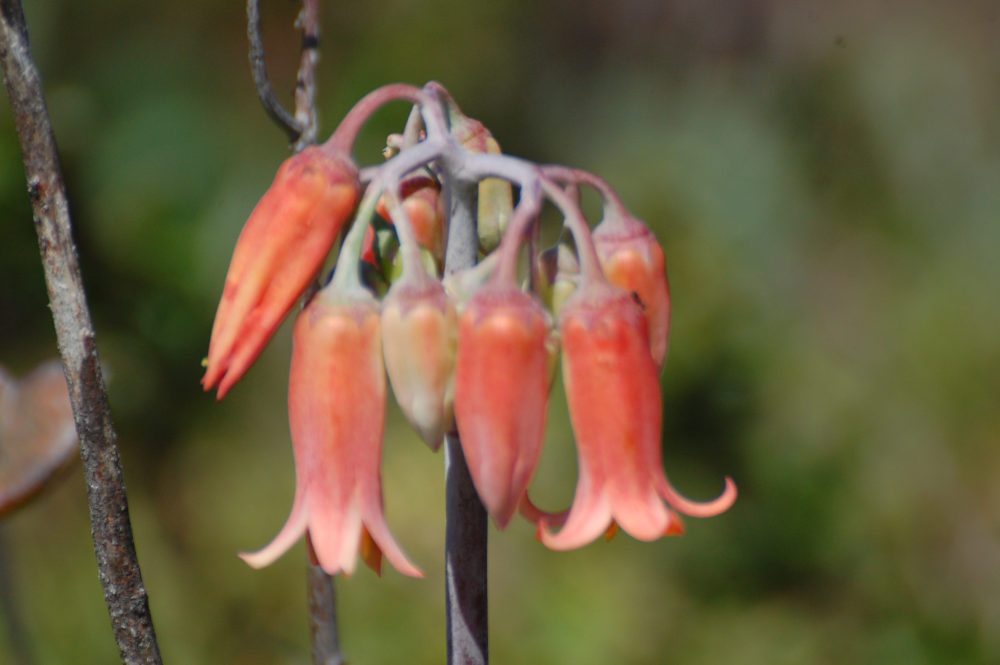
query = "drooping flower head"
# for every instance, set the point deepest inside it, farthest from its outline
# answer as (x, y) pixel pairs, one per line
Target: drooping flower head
(613, 392)
(281, 248)
(501, 392)
(336, 409)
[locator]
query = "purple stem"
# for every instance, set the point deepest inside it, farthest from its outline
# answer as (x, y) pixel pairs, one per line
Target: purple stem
(466, 526)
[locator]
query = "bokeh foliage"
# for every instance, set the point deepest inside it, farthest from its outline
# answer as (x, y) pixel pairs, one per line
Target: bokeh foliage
(825, 178)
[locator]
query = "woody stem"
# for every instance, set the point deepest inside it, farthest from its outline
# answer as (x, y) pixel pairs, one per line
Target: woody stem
(117, 564)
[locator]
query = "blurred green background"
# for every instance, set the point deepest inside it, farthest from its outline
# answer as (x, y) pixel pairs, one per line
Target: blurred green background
(825, 179)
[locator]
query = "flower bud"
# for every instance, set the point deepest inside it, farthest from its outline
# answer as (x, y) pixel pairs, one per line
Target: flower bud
(633, 260)
(419, 340)
(496, 196)
(425, 209)
(501, 393)
(336, 409)
(281, 248)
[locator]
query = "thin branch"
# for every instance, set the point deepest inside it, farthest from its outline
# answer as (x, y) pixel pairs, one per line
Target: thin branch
(258, 68)
(117, 564)
(305, 88)
(466, 527)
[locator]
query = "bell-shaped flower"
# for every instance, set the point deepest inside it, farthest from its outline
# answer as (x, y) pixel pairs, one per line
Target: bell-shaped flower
(633, 260)
(502, 374)
(419, 341)
(613, 392)
(281, 248)
(336, 409)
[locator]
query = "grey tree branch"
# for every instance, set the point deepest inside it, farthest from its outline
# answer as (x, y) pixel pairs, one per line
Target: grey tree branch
(117, 564)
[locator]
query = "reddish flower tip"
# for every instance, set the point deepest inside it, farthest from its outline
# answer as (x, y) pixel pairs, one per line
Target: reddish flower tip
(632, 260)
(281, 248)
(425, 209)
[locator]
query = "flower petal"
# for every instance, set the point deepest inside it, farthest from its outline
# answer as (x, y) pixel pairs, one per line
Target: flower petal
(295, 528)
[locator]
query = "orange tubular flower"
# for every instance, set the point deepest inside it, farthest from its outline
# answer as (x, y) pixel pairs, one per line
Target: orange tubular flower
(336, 405)
(633, 260)
(501, 393)
(420, 335)
(281, 248)
(613, 391)
(425, 209)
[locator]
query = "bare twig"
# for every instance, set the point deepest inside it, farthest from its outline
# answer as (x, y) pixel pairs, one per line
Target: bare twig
(258, 68)
(305, 88)
(465, 531)
(117, 564)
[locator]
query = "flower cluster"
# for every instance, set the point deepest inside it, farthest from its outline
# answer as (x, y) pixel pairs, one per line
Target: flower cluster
(474, 352)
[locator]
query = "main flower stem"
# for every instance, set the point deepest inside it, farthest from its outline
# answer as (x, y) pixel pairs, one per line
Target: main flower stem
(465, 531)
(111, 529)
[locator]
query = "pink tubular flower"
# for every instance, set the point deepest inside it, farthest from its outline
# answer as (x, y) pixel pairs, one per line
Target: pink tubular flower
(633, 260)
(501, 393)
(613, 391)
(336, 405)
(281, 248)
(419, 339)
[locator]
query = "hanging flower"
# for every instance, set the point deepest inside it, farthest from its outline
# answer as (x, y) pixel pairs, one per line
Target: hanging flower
(613, 392)
(336, 408)
(281, 248)
(419, 340)
(501, 393)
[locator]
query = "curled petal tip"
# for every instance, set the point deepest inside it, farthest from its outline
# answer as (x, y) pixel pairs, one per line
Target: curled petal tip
(294, 529)
(716, 506)
(535, 515)
(263, 557)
